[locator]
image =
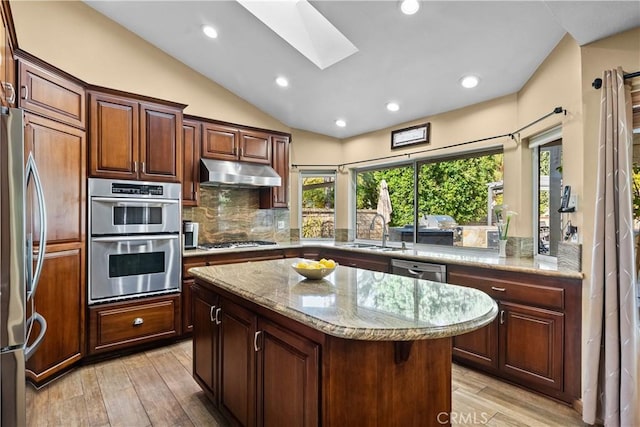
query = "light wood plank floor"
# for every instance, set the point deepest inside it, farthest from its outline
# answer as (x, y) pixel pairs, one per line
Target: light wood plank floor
(155, 388)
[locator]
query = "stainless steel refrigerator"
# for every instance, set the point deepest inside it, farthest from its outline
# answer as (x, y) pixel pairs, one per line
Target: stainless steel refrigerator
(22, 211)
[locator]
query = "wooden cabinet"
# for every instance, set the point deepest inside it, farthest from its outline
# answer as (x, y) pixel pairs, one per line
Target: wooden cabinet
(535, 340)
(527, 331)
(288, 367)
(132, 139)
(227, 142)
(255, 147)
(205, 339)
(8, 82)
(191, 137)
(60, 154)
(59, 151)
(278, 197)
(242, 360)
(51, 95)
(60, 299)
(237, 362)
(121, 325)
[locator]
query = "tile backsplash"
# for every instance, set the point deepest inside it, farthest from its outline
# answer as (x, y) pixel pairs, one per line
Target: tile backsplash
(234, 214)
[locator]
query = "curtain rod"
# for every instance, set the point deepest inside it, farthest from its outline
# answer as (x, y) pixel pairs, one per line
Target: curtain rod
(511, 135)
(597, 83)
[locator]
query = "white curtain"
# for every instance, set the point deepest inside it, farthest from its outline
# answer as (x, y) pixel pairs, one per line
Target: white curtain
(611, 335)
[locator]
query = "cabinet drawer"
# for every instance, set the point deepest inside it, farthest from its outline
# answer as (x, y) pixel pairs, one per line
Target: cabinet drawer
(186, 267)
(510, 290)
(120, 325)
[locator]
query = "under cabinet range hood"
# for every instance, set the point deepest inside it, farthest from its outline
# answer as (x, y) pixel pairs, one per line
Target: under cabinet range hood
(237, 174)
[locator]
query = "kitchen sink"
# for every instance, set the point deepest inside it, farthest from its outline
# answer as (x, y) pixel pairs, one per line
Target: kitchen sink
(372, 247)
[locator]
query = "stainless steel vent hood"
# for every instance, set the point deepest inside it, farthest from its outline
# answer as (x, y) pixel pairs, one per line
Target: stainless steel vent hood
(237, 174)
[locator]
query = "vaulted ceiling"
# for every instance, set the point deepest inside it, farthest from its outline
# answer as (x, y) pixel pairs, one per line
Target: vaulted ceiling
(415, 60)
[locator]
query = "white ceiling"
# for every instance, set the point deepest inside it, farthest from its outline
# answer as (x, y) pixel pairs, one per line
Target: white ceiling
(416, 61)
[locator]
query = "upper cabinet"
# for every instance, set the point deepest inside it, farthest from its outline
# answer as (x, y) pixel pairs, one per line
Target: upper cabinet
(131, 139)
(224, 142)
(51, 95)
(278, 197)
(7, 63)
(191, 134)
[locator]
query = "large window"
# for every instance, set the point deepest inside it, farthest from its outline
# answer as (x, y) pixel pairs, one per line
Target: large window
(547, 192)
(454, 206)
(317, 195)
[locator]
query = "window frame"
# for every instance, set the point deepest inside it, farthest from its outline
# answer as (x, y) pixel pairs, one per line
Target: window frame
(416, 163)
(541, 139)
(317, 173)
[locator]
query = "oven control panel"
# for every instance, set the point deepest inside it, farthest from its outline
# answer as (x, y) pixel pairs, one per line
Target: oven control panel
(137, 189)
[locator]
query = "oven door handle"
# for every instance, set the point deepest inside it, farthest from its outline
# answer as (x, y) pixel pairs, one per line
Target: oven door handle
(136, 238)
(134, 201)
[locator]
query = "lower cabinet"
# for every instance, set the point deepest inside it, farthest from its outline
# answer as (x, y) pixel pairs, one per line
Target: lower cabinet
(242, 360)
(372, 261)
(121, 325)
(60, 299)
(535, 340)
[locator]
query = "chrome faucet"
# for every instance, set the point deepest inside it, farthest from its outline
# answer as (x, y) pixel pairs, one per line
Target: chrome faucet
(384, 228)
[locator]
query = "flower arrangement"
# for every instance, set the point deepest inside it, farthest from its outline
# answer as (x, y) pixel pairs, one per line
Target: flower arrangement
(503, 217)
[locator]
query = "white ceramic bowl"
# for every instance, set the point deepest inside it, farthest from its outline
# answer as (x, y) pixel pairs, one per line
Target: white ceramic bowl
(315, 273)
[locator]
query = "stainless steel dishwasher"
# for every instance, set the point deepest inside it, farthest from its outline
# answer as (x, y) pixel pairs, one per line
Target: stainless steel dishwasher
(419, 270)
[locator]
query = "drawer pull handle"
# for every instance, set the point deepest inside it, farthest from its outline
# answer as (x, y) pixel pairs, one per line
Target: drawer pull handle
(25, 91)
(217, 319)
(502, 317)
(138, 321)
(255, 341)
(493, 288)
(213, 307)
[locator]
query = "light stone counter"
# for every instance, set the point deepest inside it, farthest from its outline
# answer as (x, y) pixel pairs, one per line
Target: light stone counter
(429, 253)
(354, 303)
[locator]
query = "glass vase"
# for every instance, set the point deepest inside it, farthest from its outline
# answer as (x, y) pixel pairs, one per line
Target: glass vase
(502, 248)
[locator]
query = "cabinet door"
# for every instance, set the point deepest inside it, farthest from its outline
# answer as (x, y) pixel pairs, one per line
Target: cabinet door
(60, 300)
(52, 96)
(160, 143)
(191, 166)
(219, 142)
(237, 363)
(287, 367)
(478, 347)
(187, 313)
(255, 147)
(205, 340)
(531, 344)
(113, 137)
(60, 154)
(278, 197)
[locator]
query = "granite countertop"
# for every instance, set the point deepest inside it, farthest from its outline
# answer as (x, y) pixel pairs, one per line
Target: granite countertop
(429, 253)
(354, 303)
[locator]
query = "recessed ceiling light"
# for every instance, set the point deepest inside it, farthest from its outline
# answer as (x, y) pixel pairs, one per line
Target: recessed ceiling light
(282, 81)
(341, 123)
(209, 31)
(393, 106)
(469, 81)
(409, 7)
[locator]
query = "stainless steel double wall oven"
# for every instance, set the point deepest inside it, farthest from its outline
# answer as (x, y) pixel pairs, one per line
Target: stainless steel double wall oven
(134, 245)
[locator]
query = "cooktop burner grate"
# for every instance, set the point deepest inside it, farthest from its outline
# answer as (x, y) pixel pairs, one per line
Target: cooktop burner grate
(236, 244)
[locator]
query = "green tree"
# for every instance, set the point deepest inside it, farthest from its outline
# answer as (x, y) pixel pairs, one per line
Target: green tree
(318, 192)
(448, 187)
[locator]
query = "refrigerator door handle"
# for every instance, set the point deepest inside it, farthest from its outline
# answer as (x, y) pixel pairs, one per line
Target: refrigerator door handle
(35, 317)
(32, 171)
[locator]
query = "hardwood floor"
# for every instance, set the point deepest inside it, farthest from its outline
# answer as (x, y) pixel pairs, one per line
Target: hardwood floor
(155, 388)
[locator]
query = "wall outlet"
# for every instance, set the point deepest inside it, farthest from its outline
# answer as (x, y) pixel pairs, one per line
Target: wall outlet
(280, 225)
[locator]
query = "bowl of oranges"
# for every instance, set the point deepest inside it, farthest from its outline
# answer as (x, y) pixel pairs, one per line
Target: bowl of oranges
(315, 270)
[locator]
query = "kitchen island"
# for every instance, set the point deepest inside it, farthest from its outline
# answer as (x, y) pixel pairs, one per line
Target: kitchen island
(356, 348)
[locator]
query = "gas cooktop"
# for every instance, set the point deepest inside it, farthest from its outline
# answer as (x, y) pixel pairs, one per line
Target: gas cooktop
(235, 244)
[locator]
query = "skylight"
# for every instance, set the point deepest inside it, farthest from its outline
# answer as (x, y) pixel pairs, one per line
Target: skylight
(304, 28)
